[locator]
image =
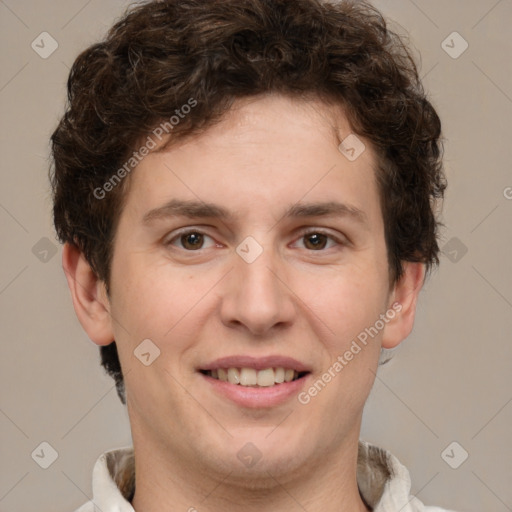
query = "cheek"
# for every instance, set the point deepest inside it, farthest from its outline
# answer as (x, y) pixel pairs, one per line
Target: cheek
(157, 302)
(351, 306)
(141, 302)
(350, 303)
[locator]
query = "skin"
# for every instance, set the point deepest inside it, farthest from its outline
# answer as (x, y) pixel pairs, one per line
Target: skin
(295, 299)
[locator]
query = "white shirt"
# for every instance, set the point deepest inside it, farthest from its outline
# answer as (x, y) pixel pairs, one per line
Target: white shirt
(384, 483)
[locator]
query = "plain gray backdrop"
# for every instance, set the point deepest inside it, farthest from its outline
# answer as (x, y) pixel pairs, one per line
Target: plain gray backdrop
(450, 382)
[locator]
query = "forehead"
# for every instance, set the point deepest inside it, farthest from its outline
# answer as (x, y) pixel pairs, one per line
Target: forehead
(265, 150)
(281, 116)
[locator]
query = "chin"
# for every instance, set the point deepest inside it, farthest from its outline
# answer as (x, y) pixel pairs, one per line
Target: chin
(253, 458)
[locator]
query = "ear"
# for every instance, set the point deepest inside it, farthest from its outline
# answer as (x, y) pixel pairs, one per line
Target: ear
(403, 301)
(89, 296)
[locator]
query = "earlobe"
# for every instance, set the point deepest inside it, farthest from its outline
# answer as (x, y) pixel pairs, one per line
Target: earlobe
(89, 296)
(403, 301)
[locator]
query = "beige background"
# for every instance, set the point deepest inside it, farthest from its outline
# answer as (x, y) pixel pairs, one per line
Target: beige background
(451, 381)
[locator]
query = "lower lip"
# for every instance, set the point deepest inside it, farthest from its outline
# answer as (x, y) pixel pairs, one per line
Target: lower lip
(257, 397)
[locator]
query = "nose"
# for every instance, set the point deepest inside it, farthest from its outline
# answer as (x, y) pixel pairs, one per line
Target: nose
(256, 296)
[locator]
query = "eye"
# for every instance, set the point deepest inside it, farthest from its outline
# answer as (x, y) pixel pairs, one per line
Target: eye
(318, 240)
(191, 240)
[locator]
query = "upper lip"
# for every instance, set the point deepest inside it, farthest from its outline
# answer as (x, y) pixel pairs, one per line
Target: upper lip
(258, 363)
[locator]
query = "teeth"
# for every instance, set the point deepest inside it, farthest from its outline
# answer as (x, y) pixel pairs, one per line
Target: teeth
(248, 377)
(234, 376)
(252, 377)
(279, 375)
(266, 377)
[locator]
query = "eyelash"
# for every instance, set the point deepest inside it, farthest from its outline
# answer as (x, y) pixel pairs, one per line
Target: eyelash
(302, 234)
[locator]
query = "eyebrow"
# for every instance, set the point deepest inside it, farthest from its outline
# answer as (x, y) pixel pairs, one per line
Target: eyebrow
(198, 209)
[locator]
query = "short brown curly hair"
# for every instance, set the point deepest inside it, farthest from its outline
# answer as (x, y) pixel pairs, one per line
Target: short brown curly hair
(162, 53)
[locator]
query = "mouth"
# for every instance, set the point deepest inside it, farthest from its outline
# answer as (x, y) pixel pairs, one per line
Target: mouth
(250, 377)
(256, 382)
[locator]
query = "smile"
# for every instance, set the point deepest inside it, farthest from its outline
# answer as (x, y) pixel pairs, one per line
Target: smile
(250, 377)
(255, 382)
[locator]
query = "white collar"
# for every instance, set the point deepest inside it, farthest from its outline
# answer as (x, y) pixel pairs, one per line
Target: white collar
(383, 481)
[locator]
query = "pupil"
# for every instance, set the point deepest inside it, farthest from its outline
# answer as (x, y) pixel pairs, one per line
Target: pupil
(318, 240)
(193, 240)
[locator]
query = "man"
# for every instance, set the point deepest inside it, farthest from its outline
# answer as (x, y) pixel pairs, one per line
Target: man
(246, 195)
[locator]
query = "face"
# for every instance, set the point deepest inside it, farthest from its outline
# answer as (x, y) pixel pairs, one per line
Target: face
(255, 249)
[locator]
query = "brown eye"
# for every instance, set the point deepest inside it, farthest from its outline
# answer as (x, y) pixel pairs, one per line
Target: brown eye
(192, 240)
(315, 241)
(319, 241)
